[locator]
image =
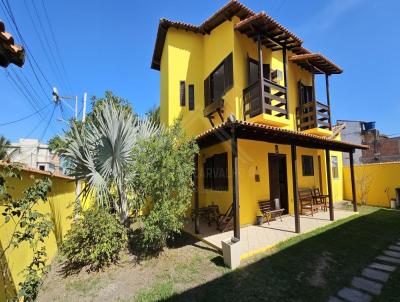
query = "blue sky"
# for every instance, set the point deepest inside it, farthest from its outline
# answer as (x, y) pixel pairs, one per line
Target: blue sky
(107, 45)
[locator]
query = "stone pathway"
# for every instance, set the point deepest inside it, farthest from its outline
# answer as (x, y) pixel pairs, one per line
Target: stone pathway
(373, 277)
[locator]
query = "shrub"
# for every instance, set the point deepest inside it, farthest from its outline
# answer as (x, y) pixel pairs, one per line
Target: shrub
(162, 180)
(94, 240)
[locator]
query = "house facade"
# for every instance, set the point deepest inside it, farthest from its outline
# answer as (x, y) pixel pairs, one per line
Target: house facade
(244, 87)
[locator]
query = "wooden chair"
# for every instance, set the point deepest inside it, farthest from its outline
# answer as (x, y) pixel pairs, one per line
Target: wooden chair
(320, 199)
(267, 208)
(225, 221)
(306, 200)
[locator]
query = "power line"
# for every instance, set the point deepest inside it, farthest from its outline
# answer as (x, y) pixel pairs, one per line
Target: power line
(25, 117)
(56, 45)
(20, 90)
(7, 9)
(46, 49)
(48, 123)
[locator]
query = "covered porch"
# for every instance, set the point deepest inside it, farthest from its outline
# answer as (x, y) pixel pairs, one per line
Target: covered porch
(232, 131)
(259, 238)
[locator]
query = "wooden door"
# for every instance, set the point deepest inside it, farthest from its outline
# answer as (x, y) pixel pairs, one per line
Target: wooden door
(278, 186)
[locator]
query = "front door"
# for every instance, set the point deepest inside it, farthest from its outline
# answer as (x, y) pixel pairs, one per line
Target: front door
(278, 186)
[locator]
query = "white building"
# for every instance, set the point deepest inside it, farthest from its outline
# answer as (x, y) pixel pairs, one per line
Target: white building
(32, 153)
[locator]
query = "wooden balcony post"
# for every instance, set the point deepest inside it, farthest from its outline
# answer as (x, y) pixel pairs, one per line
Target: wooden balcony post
(295, 190)
(329, 179)
(261, 73)
(353, 183)
(196, 195)
(328, 100)
(285, 74)
(235, 185)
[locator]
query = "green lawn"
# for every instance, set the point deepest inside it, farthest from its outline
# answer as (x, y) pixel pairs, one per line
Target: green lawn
(309, 267)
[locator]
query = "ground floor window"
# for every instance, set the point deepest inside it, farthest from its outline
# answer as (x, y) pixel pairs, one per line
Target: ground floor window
(216, 172)
(307, 162)
(335, 167)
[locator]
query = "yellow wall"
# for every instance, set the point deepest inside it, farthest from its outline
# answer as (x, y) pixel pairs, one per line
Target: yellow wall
(192, 57)
(382, 179)
(253, 156)
(61, 197)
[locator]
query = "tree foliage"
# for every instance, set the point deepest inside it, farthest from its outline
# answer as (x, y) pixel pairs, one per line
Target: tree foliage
(101, 152)
(161, 176)
(94, 240)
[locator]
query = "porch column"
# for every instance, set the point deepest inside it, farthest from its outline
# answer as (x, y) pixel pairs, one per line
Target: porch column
(196, 194)
(353, 183)
(295, 190)
(329, 179)
(328, 99)
(285, 74)
(261, 72)
(235, 185)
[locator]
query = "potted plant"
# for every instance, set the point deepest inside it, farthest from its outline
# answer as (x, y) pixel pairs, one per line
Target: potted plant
(260, 219)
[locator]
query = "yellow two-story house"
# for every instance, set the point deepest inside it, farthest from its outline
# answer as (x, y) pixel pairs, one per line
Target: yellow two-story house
(244, 87)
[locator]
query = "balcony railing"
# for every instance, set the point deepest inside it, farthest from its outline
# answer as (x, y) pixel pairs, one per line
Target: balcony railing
(313, 114)
(274, 103)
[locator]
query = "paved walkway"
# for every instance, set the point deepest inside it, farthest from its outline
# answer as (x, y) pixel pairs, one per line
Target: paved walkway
(372, 279)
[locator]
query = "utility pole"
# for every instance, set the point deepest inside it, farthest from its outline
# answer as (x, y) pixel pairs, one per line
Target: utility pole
(58, 98)
(84, 107)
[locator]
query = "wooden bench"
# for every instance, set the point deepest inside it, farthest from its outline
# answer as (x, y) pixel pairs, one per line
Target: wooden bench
(267, 208)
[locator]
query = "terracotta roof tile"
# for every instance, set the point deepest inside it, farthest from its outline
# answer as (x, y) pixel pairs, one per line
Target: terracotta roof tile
(10, 52)
(316, 62)
(282, 132)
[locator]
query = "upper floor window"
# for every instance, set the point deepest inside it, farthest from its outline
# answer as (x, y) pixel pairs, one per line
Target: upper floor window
(191, 97)
(307, 162)
(305, 93)
(219, 81)
(253, 71)
(182, 93)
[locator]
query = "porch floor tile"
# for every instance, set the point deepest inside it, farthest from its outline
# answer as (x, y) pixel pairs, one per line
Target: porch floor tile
(255, 238)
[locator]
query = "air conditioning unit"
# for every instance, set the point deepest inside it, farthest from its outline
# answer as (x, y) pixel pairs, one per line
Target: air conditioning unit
(276, 75)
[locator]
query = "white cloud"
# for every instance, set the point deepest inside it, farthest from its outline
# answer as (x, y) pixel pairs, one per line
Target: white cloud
(328, 16)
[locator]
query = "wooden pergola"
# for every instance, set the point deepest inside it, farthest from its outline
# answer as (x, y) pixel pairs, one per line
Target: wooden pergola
(235, 129)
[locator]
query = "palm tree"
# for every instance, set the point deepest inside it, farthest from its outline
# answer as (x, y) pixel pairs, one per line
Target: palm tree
(4, 145)
(101, 152)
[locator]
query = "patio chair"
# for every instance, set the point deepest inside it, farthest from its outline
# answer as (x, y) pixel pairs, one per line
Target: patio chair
(306, 200)
(320, 199)
(225, 221)
(267, 208)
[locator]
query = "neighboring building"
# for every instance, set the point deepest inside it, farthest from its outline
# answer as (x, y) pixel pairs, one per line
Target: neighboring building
(381, 147)
(31, 153)
(255, 124)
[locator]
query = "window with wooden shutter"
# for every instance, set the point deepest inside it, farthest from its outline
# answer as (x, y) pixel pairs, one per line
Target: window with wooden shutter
(216, 172)
(207, 92)
(220, 170)
(219, 81)
(182, 94)
(307, 162)
(228, 73)
(191, 97)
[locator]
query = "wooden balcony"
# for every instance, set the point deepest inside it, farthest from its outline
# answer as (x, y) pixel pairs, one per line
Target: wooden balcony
(266, 103)
(314, 117)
